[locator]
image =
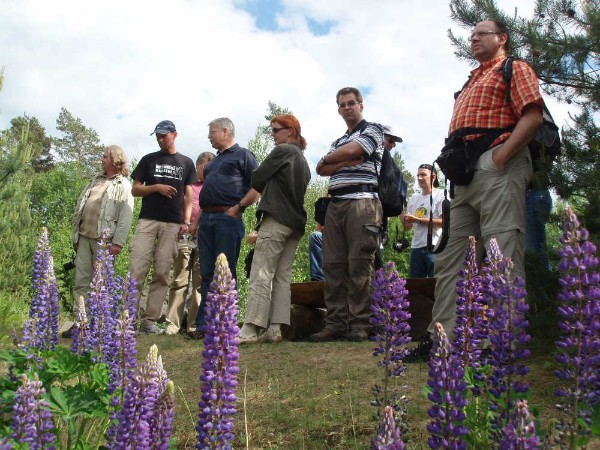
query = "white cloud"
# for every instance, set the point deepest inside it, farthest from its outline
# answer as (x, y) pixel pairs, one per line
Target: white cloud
(122, 66)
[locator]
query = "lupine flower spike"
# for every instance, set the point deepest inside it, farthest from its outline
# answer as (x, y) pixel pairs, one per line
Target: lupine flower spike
(508, 336)
(390, 315)
(520, 433)
(81, 330)
(101, 317)
(32, 420)
(471, 326)
(579, 346)
(389, 435)
(140, 422)
(446, 380)
(41, 329)
(220, 365)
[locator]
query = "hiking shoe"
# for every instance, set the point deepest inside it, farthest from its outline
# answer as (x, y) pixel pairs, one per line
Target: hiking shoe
(272, 335)
(359, 335)
(248, 340)
(171, 329)
(68, 334)
(327, 335)
(196, 335)
(151, 329)
(422, 351)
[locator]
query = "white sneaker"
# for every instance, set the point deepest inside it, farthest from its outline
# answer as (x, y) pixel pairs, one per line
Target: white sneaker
(273, 334)
(171, 329)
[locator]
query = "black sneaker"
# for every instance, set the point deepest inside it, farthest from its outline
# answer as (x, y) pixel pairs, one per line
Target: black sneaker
(196, 335)
(421, 352)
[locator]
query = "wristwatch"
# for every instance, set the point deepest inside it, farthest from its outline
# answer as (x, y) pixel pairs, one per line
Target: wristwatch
(189, 224)
(242, 206)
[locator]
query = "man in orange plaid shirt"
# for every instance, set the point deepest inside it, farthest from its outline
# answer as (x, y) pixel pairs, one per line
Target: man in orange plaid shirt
(492, 205)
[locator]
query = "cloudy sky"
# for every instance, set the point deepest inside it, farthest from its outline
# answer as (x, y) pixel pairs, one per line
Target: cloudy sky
(122, 66)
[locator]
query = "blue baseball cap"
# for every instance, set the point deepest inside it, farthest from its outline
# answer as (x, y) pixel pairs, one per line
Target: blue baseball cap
(164, 127)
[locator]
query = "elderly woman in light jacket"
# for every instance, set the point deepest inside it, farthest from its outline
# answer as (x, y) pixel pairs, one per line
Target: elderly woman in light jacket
(106, 203)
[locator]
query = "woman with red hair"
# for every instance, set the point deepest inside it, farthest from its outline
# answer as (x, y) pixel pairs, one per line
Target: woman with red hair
(281, 179)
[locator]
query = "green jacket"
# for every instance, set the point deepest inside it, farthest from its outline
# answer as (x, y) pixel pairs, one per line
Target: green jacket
(116, 211)
(282, 179)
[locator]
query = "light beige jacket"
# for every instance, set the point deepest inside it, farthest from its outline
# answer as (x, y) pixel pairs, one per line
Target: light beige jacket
(116, 211)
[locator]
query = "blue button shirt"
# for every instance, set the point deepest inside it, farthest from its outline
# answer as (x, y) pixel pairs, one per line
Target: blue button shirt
(227, 177)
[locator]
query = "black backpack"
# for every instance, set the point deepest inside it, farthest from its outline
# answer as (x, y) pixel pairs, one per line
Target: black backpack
(392, 188)
(545, 146)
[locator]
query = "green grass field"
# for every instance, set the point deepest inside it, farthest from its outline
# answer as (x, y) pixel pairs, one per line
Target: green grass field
(300, 395)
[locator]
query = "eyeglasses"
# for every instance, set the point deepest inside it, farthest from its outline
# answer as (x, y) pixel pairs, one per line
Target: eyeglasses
(277, 130)
(480, 34)
(349, 104)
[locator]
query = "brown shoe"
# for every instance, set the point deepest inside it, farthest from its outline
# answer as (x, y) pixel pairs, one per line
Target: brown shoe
(327, 335)
(359, 335)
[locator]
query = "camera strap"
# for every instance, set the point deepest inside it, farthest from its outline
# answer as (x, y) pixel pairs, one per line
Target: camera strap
(445, 222)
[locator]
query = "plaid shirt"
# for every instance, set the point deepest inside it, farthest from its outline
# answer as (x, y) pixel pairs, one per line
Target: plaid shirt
(482, 103)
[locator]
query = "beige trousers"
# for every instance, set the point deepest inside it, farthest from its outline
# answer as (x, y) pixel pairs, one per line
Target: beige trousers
(155, 243)
(269, 292)
(491, 206)
(185, 266)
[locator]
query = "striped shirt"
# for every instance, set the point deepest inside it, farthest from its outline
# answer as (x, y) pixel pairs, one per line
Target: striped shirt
(370, 138)
(482, 103)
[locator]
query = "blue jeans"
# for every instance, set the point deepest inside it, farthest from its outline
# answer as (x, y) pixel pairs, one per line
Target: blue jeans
(217, 233)
(421, 263)
(538, 205)
(315, 254)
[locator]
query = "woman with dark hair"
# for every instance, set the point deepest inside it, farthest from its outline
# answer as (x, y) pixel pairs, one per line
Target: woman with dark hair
(281, 179)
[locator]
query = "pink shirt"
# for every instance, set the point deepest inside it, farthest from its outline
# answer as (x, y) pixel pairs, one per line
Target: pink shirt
(196, 188)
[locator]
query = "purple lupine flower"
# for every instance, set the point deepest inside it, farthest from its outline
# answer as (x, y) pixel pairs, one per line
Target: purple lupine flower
(520, 433)
(579, 313)
(123, 351)
(389, 317)
(165, 417)
(508, 335)
(32, 420)
(389, 435)
(446, 380)
(41, 328)
(220, 365)
(471, 327)
(81, 329)
(100, 304)
(133, 427)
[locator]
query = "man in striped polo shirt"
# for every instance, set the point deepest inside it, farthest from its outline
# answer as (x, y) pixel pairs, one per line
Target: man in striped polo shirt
(352, 222)
(492, 205)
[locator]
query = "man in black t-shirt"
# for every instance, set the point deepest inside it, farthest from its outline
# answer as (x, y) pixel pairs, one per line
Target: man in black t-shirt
(163, 179)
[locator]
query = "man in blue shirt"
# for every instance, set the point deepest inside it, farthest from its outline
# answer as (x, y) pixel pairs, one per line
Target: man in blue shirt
(224, 197)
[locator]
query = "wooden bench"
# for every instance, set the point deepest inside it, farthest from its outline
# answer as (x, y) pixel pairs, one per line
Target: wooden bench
(308, 307)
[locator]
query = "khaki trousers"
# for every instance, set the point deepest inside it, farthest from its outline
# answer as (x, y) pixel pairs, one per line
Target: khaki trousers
(491, 206)
(269, 292)
(85, 259)
(153, 242)
(185, 266)
(350, 240)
